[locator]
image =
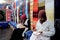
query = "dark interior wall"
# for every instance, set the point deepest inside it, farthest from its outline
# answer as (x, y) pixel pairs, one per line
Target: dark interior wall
(57, 9)
(57, 20)
(40, 8)
(57, 12)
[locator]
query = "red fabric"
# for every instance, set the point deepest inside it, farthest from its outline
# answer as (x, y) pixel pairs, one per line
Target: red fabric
(14, 5)
(35, 5)
(35, 19)
(35, 0)
(34, 27)
(8, 14)
(23, 17)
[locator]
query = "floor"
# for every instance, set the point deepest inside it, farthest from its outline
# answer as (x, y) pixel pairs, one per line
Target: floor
(5, 34)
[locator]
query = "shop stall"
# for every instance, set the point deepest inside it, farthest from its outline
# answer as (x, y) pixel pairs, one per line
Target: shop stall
(20, 8)
(4, 15)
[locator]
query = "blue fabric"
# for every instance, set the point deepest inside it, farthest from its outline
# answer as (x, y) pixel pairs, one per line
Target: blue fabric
(26, 10)
(3, 24)
(28, 34)
(13, 24)
(17, 3)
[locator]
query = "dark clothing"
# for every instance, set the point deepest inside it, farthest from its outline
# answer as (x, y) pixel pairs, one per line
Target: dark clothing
(29, 25)
(17, 34)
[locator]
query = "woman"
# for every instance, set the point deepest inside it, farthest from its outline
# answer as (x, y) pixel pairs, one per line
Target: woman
(18, 32)
(44, 28)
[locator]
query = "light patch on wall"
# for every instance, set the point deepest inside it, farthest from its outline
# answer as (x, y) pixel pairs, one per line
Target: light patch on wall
(41, 1)
(49, 6)
(2, 1)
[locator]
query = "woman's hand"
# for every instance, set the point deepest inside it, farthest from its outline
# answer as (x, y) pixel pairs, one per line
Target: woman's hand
(36, 33)
(40, 32)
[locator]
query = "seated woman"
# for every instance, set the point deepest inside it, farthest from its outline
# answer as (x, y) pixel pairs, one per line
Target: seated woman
(22, 27)
(44, 28)
(17, 33)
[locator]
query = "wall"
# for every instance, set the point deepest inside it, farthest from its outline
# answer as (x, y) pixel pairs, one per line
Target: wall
(49, 6)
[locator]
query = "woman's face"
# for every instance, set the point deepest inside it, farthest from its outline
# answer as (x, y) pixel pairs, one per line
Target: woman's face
(42, 15)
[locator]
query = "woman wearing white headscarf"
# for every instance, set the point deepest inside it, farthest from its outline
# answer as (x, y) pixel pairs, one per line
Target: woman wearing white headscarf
(44, 28)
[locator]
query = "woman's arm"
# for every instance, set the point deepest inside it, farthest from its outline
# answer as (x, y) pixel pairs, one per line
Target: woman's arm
(51, 30)
(24, 31)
